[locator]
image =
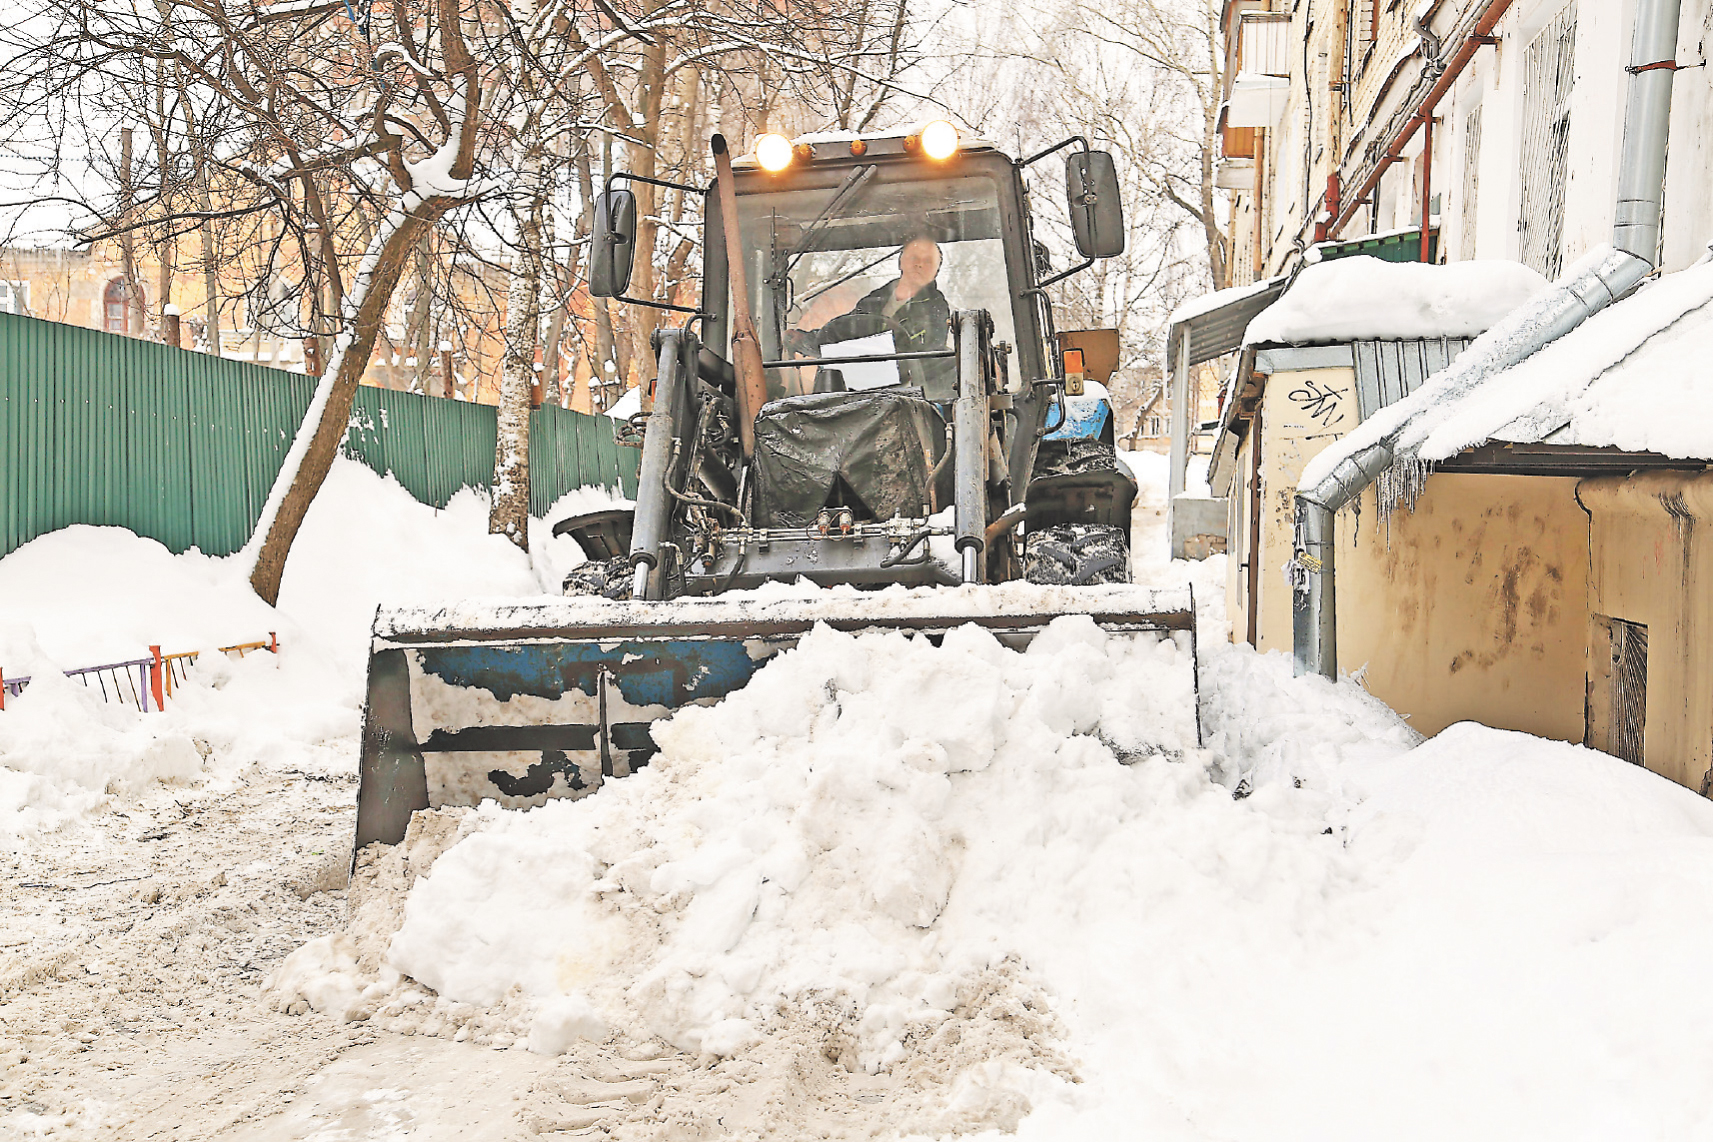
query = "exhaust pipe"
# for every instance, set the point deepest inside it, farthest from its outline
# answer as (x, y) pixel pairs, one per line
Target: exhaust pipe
(1591, 285)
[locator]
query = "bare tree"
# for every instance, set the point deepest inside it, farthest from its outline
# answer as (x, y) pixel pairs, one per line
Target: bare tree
(354, 150)
(1176, 43)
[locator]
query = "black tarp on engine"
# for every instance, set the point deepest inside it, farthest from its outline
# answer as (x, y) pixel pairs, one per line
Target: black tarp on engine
(872, 451)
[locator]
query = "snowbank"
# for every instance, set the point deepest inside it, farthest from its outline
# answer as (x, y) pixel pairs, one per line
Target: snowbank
(84, 596)
(867, 819)
(1367, 936)
(1363, 297)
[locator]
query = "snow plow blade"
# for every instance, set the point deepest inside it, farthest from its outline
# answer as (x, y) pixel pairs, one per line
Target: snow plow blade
(525, 702)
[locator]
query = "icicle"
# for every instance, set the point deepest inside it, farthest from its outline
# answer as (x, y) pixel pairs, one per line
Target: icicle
(1401, 484)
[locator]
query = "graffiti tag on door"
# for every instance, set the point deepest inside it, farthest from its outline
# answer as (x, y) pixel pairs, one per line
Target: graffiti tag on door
(1319, 402)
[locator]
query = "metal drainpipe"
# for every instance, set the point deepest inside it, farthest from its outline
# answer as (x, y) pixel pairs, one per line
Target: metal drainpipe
(1592, 285)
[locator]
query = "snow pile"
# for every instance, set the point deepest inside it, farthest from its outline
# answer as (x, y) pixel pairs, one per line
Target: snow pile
(86, 596)
(1593, 378)
(860, 855)
(866, 819)
(852, 840)
(1360, 298)
(83, 596)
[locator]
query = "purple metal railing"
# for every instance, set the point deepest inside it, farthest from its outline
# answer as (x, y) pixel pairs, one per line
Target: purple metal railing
(126, 682)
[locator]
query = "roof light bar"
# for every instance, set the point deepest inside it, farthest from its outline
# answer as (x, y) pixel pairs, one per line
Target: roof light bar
(773, 152)
(939, 140)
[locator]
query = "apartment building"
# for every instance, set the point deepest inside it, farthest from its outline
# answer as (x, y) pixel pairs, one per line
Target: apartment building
(1541, 567)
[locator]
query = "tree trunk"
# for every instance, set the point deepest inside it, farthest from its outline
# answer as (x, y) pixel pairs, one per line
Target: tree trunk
(210, 268)
(424, 330)
(311, 457)
(169, 243)
(551, 286)
(509, 513)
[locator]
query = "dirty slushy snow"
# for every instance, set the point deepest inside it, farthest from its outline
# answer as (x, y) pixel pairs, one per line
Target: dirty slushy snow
(888, 890)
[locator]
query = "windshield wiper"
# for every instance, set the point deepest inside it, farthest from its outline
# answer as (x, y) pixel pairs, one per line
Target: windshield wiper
(779, 282)
(836, 282)
(848, 191)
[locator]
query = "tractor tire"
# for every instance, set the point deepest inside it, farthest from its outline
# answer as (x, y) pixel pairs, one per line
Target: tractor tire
(1077, 554)
(606, 578)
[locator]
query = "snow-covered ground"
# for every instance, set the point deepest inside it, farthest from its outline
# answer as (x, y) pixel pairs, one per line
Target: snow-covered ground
(887, 890)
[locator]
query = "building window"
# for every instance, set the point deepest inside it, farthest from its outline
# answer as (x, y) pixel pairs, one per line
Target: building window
(1471, 182)
(117, 306)
(14, 297)
(1364, 23)
(1549, 70)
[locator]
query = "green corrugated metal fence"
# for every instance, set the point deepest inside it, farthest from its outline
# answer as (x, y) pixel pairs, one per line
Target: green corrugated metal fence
(101, 429)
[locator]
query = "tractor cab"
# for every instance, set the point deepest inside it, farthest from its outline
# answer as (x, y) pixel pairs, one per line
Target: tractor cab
(856, 252)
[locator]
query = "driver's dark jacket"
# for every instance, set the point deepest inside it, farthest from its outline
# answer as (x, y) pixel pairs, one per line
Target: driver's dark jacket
(920, 324)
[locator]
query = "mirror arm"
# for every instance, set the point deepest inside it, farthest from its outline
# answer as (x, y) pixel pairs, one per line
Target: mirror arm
(617, 175)
(702, 190)
(1063, 274)
(701, 313)
(1039, 155)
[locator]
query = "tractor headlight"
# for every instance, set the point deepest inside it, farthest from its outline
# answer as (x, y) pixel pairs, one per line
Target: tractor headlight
(773, 152)
(939, 140)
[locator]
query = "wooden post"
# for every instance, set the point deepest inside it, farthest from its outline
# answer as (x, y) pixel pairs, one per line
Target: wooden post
(170, 324)
(446, 374)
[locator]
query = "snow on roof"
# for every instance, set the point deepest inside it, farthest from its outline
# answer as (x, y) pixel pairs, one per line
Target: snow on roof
(1633, 376)
(1364, 298)
(1218, 299)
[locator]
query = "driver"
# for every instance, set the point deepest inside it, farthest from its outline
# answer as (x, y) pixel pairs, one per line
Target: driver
(911, 306)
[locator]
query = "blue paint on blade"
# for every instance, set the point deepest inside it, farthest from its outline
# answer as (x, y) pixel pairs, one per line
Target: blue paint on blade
(668, 673)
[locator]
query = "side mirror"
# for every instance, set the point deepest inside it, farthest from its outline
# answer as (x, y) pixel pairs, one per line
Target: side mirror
(1097, 214)
(612, 248)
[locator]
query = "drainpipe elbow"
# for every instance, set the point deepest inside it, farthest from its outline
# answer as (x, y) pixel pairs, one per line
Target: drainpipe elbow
(1349, 479)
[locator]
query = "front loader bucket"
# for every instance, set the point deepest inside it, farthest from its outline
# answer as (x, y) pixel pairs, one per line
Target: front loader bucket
(523, 702)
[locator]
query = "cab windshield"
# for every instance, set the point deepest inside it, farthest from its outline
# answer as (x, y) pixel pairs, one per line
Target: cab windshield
(870, 267)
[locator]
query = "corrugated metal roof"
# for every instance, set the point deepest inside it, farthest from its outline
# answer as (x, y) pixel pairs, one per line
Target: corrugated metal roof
(1220, 331)
(1389, 371)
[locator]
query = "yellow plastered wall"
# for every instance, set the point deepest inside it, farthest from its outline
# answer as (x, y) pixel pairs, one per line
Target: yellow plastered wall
(1651, 562)
(1302, 413)
(1474, 607)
